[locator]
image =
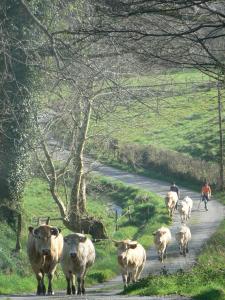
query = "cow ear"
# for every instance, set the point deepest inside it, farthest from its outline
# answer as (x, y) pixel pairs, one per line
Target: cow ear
(83, 239)
(154, 233)
(30, 228)
(54, 231)
(132, 245)
(116, 243)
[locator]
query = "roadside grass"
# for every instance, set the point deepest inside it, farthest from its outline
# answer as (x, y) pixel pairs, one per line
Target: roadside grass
(16, 275)
(205, 281)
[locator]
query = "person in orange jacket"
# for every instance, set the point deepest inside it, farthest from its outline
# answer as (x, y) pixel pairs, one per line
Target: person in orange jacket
(206, 193)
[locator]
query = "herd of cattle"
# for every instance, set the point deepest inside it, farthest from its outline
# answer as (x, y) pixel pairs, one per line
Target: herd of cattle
(47, 247)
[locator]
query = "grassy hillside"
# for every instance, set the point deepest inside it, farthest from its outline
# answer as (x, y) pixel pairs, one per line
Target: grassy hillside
(180, 115)
(16, 275)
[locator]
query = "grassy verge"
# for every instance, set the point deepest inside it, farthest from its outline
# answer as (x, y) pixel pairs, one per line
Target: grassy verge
(16, 275)
(205, 281)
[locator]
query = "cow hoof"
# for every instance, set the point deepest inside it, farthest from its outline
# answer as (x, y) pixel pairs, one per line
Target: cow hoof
(50, 294)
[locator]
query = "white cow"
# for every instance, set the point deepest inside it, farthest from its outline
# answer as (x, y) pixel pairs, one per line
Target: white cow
(162, 237)
(183, 209)
(131, 257)
(183, 236)
(78, 255)
(171, 201)
(189, 202)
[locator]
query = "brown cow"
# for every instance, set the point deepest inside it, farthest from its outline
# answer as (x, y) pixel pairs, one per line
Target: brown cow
(44, 248)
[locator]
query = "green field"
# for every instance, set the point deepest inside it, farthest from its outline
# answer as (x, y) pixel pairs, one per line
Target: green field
(182, 118)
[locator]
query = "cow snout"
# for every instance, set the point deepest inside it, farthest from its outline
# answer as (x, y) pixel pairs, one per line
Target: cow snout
(73, 255)
(46, 252)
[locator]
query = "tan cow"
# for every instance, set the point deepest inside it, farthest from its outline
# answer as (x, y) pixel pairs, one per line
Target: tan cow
(44, 248)
(171, 201)
(183, 209)
(131, 257)
(183, 236)
(189, 202)
(78, 255)
(162, 237)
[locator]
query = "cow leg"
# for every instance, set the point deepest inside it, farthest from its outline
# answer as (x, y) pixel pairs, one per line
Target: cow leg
(124, 276)
(180, 249)
(161, 256)
(165, 251)
(79, 286)
(184, 250)
(129, 276)
(82, 286)
(68, 289)
(139, 271)
(187, 250)
(134, 275)
(73, 284)
(41, 287)
(50, 277)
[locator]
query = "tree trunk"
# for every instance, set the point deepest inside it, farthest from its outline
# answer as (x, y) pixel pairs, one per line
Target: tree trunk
(18, 233)
(78, 192)
(15, 105)
(82, 198)
(221, 151)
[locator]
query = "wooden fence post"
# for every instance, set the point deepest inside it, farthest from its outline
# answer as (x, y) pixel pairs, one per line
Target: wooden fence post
(116, 220)
(148, 213)
(129, 214)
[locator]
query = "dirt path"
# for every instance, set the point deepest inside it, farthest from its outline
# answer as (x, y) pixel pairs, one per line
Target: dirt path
(202, 225)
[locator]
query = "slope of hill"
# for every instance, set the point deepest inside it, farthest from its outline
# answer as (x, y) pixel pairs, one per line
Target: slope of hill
(179, 113)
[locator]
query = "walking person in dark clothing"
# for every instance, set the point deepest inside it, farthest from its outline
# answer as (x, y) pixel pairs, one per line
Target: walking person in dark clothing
(174, 188)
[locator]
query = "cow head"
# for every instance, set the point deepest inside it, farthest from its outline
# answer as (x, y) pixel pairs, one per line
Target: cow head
(158, 235)
(72, 242)
(125, 245)
(44, 236)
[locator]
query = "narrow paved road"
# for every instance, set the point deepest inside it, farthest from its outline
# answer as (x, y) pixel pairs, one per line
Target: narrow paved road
(203, 224)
